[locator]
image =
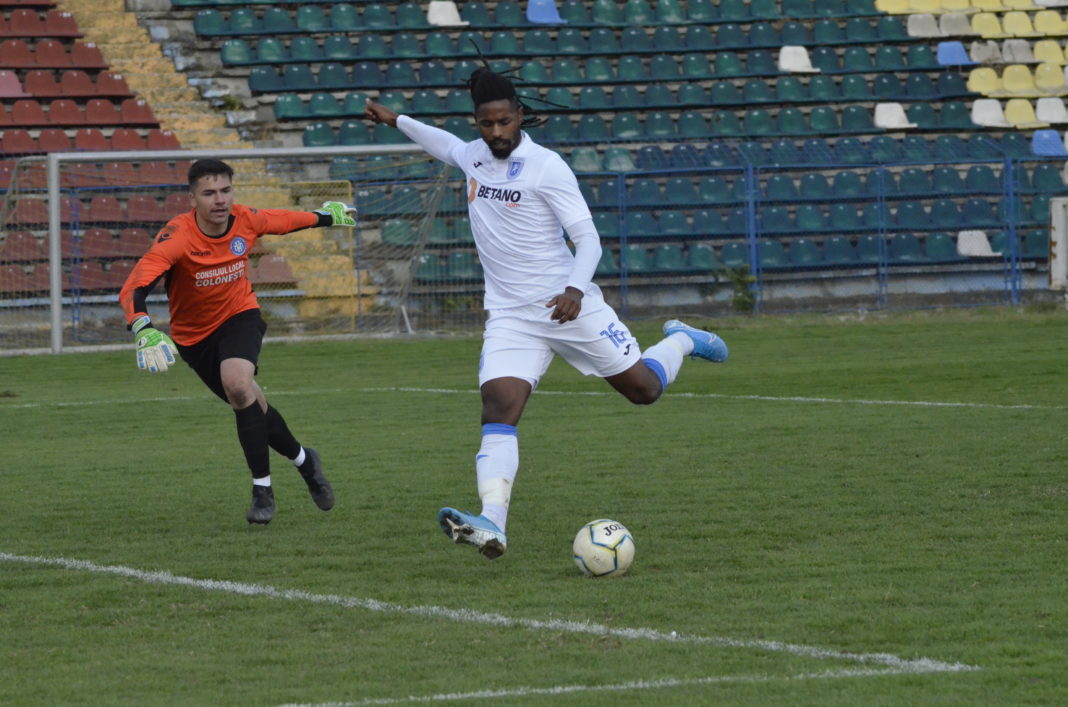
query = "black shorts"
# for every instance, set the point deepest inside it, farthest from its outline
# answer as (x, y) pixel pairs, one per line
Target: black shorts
(240, 336)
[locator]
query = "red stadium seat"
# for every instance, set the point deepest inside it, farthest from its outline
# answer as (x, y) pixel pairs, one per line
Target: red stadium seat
(271, 269)
(119, 174)
(81, 174)
(18, 140)
(54, 140)
(143, 208)
(50, 53)
(32, 175)
(112, 84)
(5, 117)
(6, 169)
(86, 55)
(175, 204)
(159, 173)
(9, 80)
(136, 111)
(42, 83)
(118, 271)
(17, 54)
(61, 24)
(133, 242)
(91, 140)
(22, 247)
(26, 23)
(99, 243)
(101, 111)
(162, 140)
(75, 83)
(90, 275)
(14, 279)
(126, 139)
(40, 279)
(30, 211)
(27, 112)
(104, 209)
(65, 112)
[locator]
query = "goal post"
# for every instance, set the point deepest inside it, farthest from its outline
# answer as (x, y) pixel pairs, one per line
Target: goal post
(84, 219)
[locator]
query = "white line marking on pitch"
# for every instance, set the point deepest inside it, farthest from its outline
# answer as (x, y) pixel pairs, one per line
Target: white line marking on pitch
(565, 393)
(915, 665)
(618, 687)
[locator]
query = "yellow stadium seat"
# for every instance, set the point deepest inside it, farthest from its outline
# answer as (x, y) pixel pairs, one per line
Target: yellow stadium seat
(956, 5)
(988, 5)
(987, 25)
(893, 7)
(1050, 23)
(1049, 78)
(1018, 24)
(1020, 5)
(1021, 114)
(1018, 80)
(1049, 51)
(931, 7)
(984, 80)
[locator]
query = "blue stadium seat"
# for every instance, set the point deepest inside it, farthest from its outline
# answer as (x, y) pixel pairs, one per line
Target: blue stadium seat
(838, 250)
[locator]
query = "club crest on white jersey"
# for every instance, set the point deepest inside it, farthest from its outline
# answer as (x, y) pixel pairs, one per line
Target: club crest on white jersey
(515, 166)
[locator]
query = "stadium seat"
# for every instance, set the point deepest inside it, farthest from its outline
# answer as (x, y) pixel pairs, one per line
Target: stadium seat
(905, 248)
(607, 265)
(701, 257)
(837, 250)
(634, 260)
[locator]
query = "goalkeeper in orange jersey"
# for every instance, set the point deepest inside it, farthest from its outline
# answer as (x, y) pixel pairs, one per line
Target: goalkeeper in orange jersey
(202, 257)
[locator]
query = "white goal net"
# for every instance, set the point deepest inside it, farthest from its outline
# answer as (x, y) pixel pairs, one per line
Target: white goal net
(73, 225)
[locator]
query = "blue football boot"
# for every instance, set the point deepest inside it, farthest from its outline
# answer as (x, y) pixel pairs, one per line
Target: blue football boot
(706, 345)
(478, 531)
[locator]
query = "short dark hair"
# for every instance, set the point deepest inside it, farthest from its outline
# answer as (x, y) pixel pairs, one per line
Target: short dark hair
(204, 168)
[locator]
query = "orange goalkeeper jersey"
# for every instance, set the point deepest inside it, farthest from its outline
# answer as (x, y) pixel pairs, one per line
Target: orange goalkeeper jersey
(206, 277)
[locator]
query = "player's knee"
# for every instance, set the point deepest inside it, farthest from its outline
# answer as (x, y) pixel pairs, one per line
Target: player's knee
(239, 392)
(646, 394)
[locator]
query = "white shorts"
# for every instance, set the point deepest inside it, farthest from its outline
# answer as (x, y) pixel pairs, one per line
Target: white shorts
(520, 342)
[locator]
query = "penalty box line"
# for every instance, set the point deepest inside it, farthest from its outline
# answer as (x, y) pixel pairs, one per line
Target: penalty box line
(653, 684)
(470, 616)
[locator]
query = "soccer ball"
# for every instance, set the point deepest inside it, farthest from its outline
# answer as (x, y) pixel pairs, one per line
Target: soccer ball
(603, 548)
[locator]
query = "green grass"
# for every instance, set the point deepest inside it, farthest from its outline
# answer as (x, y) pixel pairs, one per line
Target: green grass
(920, 531)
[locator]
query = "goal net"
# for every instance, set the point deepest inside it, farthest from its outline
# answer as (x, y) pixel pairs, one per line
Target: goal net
(71, 231)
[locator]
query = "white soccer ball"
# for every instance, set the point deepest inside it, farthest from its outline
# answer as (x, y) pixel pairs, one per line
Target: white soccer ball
(603, 548)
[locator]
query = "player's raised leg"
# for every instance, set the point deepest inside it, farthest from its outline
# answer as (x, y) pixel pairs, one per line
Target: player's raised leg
(645, 381)
(703, 344)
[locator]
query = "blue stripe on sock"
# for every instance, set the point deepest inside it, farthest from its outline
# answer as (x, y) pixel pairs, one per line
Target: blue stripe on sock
(498, 428)
(658, 369)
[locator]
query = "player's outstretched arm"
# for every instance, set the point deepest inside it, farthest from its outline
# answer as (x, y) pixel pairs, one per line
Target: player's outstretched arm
(340, 213)
(378, 113)
(155, 350)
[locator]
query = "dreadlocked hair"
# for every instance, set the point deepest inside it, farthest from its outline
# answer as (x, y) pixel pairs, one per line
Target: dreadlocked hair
(487, 85)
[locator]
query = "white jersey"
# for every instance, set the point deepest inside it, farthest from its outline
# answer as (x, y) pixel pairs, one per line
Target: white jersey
(519, 208)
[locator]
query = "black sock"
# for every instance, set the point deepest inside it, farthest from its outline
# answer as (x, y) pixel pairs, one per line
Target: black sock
(279, 436)
(252, 434)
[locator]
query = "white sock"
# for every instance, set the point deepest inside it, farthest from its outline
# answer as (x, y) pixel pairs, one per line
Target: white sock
(299, 459)
(496, 465)
(665, 357)
(263, 481)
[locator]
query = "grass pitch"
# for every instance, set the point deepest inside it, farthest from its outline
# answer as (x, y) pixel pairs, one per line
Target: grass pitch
(846, 512)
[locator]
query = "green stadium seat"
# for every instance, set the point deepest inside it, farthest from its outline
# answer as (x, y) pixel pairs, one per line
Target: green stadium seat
(710, 222)
(538, 42)
(764, 34)
(725, 93)
(805, 253)
(669, 40)
(823, 89)
(920, 56)
(905, 248)
(692, 124)
(780, 187)
(433, 73)
(810, 218)
(406, 45)
(825, 59)
(586, 159)
(289, 106)
(630, 68)
(824, 120)
(571, 41)
(430, 268)
(235, 52)
(734, 256)
(557, 128)
(795, 33)
(603, 41)
(400, 73)
(837, 250)
(269, 51)
(800, 9)
(732, 36)
(814, 186)
(311, 18)
(668, 258)
(377, 16)
(856, 88)
(243, 20)
(566, 71)
(461, 230)
(940, 248)
(410, 15)
(701, 257)
(318, 134)
(701, 11)
(1046, 178)
(914, 181)
(332, 75)
(345, 167)
(438, 233)
(607, 225)
(726, 124)
(399, 232)
(618, 159)
(663, 68)
(626, 126)
(641, 224)
(867, 250)
(771, 254)
(298, 77)
(265, 79)
(857, 119)
(947, 180)
(858, 59)
(980, 179)
(324, 105)
(208, 23)
(504, 43)
(659, 126)
(757, 121)
(354, 132)
(463, 265)
(354, 103)
(877, 217)
(606, 12)
(1036, 244)
(861, 30)
(946, 214)
(594, 97)
(680, 190)
(598, 69)
(698, 38)
(692, 94)
(644, 191)
(424, 102)
(372, 46)
(344, 17)
(592, 127)
(729, 63)
(775, 219)
(844, 217)
(891, 29)
(634, 260)
(561, 97)
(303, 48)
(923, 115)
(912, 215)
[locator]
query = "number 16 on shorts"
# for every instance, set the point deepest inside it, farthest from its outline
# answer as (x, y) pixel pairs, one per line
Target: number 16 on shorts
(618, 337)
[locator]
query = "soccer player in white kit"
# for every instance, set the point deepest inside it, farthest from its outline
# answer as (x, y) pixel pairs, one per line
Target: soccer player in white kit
(541, 299)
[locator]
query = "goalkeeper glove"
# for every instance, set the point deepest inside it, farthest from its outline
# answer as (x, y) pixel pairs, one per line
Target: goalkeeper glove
(341, 214)
(155, 350)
